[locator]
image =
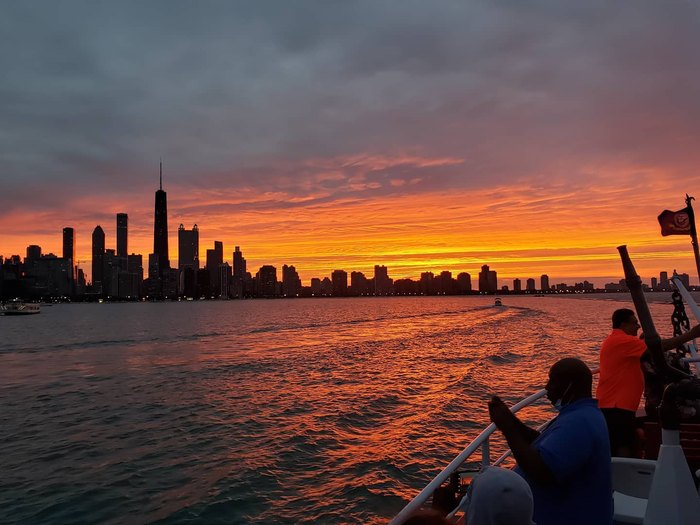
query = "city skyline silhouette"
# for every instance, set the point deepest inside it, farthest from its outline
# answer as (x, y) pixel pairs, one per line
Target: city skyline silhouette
(118, 274)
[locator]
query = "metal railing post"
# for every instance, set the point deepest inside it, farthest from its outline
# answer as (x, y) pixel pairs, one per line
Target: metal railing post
(486, 453)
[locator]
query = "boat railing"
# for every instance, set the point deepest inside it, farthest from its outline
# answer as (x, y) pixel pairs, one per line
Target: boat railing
(694, 358)
(480, 443)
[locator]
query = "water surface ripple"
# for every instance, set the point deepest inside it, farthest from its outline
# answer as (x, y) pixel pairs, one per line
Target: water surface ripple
(275, 412)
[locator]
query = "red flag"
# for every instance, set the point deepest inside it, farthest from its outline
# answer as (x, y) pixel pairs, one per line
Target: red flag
(675, 222)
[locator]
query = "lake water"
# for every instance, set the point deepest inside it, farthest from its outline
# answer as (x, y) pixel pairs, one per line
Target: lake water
(279, 411)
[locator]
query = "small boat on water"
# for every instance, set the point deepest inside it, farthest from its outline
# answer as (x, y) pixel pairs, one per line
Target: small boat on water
(20, 308)
(661, 488)
(498, 302)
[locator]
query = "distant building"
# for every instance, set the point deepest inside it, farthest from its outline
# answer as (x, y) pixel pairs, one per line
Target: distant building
(544, 282)
(267, 281)
(464, 282)
(160, 228)
(33, 253)
(620, 286)
(530, 285)
(315, 286)
(406, 287)
(359, 284)
(239, 263)
(339, 278)
(122, 234)
(110, 274)
(187, 248)
(654, 283)
(203, 285)
(135, 270)
(585, 286)
(488, 280)
(382, 282)
(80, 282)
(427, 283)
(239, 274)
(517, 285)
(215, 258)
(326, 287)
(98, 256)
(153, 268)
(291, 284)
(224, 280)
(685, 279)
(50, 276)
(663, 281)
(446, 285)
(69, 250)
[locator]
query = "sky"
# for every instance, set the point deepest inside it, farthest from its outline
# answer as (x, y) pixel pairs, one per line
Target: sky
(535, 136)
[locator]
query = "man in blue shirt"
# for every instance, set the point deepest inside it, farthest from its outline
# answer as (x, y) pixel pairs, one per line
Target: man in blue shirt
(567, 465)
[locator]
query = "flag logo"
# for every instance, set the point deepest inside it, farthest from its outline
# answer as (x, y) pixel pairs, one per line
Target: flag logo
(675, 222)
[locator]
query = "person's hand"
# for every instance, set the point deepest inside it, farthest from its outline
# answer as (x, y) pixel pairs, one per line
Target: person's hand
(501, 416)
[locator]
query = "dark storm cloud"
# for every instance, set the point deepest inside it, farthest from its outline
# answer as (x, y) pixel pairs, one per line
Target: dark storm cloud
(92, 93)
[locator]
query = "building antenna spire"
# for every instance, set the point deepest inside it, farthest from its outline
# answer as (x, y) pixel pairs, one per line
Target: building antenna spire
(161, 173)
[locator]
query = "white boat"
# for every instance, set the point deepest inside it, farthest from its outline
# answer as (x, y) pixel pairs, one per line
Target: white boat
(660, 489)
(20, 308)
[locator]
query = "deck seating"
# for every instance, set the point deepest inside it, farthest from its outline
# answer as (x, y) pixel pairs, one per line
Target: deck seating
(631, 478)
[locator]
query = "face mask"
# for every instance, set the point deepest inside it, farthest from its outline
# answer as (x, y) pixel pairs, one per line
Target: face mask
(558, 403)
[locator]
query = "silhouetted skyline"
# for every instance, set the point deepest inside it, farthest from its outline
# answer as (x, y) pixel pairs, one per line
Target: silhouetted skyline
(118, 275)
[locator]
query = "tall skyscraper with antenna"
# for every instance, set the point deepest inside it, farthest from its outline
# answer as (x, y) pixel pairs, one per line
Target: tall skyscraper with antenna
(160, 228)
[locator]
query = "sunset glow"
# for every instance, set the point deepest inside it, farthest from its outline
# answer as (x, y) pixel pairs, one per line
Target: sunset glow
(529, 150)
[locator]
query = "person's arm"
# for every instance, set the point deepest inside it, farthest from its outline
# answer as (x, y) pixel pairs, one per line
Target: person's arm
(496, 405)
(519, 438)
(674, 342)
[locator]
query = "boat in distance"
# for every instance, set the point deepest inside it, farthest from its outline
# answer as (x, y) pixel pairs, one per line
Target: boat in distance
(20, 308)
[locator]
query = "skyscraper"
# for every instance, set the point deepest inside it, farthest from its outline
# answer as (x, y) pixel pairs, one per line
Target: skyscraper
(239, 273)
(160, 228)
(267, 281)
(488, 280)
(464, 282)
(188, 248)
(98, 257)
(358, 282)
(239, 265)
(122, 228)
(69, 249)
(33, 252)
(291, 284)
(382, 282)
(530, 285)
(215, 258)
(544, 282)
(339, 278)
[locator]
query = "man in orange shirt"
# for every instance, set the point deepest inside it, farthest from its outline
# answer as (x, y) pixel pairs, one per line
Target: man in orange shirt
(621, 380)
